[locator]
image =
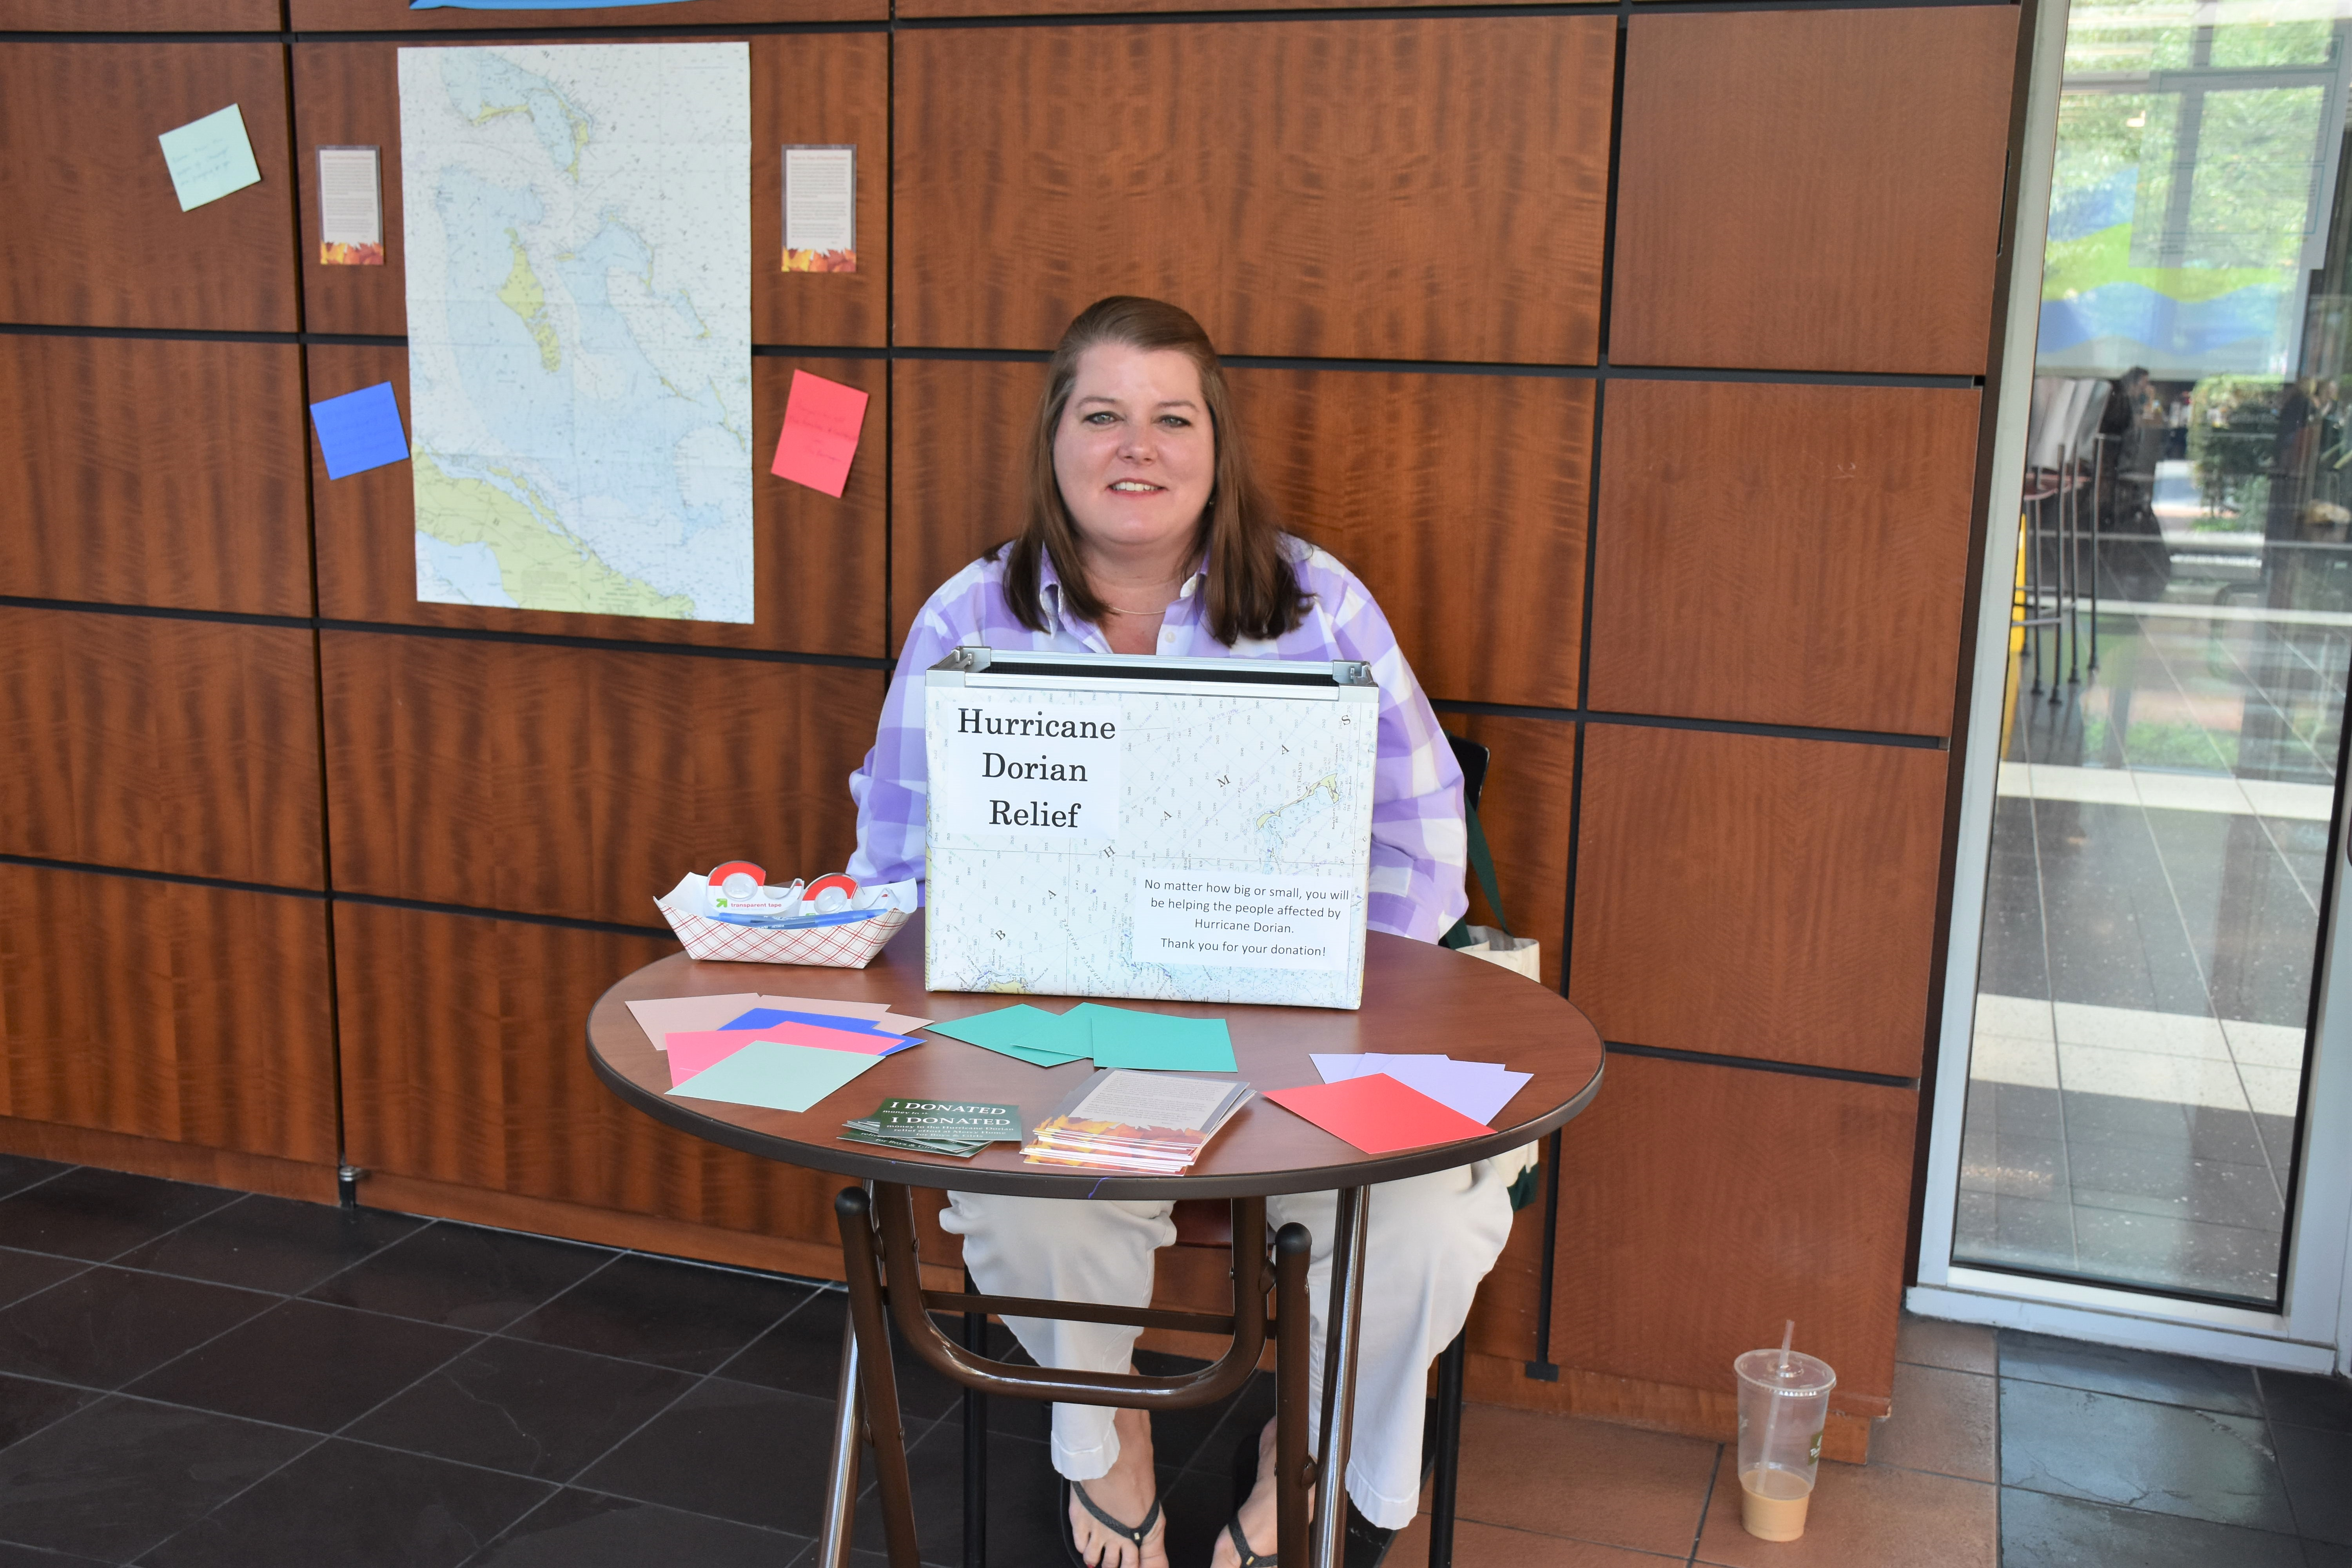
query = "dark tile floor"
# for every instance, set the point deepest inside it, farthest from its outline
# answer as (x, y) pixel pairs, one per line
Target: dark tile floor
(197, 1377)
(2120, 1457)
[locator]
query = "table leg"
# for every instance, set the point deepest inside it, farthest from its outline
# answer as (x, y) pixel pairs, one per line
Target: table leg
(855, 1210)
(1345, 1318)
(840, 1485)
(975, 1443)
(1449, 1451)
(1292, 1249)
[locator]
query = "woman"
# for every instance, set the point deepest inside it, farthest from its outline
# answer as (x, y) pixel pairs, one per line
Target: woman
(1146, 534)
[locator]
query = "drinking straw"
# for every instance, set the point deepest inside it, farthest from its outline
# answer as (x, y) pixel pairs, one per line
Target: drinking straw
(1773, 1409)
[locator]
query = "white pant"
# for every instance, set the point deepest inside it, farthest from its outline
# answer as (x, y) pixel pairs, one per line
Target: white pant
(1431, 1239)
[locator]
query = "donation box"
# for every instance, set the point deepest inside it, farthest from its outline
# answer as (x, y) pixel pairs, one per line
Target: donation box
(1182, 829)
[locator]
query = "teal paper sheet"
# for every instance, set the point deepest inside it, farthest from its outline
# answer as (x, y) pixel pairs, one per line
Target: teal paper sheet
(776, 1076)
(1021, 1032)
(1156, 1042)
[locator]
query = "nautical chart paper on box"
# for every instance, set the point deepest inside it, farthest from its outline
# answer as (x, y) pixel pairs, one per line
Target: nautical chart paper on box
(1191, 829)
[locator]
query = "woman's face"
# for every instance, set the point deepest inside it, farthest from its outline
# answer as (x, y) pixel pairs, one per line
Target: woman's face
(1134, 454)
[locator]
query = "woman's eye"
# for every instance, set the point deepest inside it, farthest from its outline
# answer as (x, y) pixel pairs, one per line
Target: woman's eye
(1174, 421)
(1098, 416)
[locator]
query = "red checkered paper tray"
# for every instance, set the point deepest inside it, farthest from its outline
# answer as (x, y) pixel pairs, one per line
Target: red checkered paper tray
(850, 946)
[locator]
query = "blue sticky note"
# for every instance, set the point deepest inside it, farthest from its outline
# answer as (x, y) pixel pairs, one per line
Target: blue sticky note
(1157, 1042)
(775, 1076)
(360, 430)
(209, 158)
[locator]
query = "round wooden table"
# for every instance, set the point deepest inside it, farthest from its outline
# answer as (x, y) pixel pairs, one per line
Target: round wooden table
(1418, 997)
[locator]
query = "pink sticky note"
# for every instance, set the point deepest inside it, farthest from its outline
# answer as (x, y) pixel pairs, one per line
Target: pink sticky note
(1374, 1113)
(821, 419)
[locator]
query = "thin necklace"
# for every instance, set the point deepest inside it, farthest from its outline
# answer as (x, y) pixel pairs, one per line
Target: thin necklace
(1163, 610)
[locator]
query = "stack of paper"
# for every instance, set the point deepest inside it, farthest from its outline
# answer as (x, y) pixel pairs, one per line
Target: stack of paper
(1025, 1034)
(1156, 1042)
(662, 1016)
(1377, 1114)
(775, 1076)
(784, 1053)
(958, 1129)
(1145, 1122)
(1113, 1037)
(1478, 1091)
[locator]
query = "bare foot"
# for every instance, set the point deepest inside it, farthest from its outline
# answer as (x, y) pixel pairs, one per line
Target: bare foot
(1126, 1493)
(1258, 1514)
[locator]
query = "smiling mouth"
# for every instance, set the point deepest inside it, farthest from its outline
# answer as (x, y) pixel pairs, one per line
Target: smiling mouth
(1133, 487)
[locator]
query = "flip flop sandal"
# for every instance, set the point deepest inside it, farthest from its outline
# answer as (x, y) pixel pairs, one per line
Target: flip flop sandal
(1135, 1532)
(1367, 1544)
(1241, 1544)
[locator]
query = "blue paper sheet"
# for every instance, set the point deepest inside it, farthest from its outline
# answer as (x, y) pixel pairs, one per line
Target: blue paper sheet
(761, 1017)
(360, 430)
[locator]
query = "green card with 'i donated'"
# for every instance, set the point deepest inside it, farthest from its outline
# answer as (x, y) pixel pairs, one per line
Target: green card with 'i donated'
(949, 1119)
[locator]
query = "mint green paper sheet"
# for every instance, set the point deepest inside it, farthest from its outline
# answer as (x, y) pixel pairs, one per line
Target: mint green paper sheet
(1021, 1032)
(776, 1076)
(209, 158)
(1156, 1042)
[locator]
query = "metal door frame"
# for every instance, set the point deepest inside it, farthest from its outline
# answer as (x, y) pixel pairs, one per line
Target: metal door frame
(2314, 1332)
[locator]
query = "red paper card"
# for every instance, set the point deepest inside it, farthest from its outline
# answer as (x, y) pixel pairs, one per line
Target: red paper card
(691, 1050)
(822, 421)
(1374, 1113)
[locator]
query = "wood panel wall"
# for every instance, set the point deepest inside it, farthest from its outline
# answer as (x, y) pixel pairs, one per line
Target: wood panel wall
(1677, 527)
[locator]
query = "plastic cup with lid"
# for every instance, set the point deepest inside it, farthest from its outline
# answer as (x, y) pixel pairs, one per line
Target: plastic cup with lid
(1784, 1404)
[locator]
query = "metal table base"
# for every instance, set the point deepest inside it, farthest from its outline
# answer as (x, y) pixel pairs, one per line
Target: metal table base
(879, 1258)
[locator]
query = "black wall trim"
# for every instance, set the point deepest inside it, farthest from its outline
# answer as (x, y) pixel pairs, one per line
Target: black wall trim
(155, 612)
(888, 665)
(1758, 1064)
(567, 922)
(1602, 371)
(44, 863)
(1674, 722)
(654, 31)
(397, 630)
(199, 335)
(1414, 12)
(612, 645)
(614, 928)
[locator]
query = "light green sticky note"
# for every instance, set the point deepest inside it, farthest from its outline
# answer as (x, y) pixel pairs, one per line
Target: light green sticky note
(1024, 1032)
(1157, 1042)
(209, 158)
(776, 1076)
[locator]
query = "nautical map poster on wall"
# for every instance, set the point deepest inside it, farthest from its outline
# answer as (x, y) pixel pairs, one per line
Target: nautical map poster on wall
(578, 232)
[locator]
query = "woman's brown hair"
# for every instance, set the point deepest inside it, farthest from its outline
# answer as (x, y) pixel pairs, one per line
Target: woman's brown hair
(1252, 590)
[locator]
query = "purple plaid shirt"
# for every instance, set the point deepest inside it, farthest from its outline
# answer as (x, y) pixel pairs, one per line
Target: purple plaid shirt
(1419, 846)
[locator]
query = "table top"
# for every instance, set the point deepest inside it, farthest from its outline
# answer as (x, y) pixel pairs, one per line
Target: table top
(1418, 996)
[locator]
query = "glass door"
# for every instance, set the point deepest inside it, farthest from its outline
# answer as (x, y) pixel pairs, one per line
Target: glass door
(2155, 777)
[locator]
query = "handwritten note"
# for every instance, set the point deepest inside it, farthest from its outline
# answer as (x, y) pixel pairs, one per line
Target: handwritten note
(822, 422)
(360, 430)
(209, 158)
